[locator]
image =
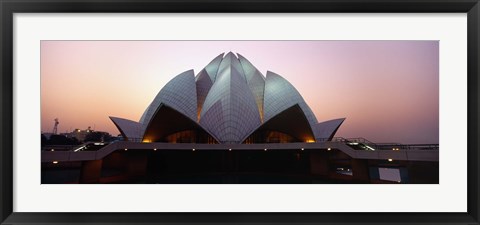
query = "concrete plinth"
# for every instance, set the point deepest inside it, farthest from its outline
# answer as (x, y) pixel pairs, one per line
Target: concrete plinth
(137, 165)
(423, 172)
(360, 170)
(319, 163)
(90, 172)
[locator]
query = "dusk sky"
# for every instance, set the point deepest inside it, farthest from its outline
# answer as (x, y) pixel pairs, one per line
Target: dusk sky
(387, 90)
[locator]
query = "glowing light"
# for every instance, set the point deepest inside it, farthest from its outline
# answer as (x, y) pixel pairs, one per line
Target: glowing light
(265, 149)
(126, 149)
(52, 150)
(146, 141)
(229, 149)
(303, 149)
(154, 149)
(55, 162)
(310, 141)
(78, 149)
(370, 148)
(193, 149)
(328, 149)
(390, 160)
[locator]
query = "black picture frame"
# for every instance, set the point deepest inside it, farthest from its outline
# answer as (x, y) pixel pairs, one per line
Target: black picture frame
(9, 7)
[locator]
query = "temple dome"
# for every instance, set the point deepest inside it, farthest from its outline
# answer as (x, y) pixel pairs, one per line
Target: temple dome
(229, 101)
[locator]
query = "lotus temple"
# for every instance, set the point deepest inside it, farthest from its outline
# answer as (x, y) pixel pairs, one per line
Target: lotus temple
(228, 102)
(229, 123)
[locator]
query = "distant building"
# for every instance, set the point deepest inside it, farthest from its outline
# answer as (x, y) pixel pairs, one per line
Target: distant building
(80, 135)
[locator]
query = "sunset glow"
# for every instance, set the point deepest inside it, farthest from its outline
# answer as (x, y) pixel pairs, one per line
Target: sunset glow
(387, 90)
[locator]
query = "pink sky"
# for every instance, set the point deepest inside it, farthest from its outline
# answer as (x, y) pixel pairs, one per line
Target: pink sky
(387, 90)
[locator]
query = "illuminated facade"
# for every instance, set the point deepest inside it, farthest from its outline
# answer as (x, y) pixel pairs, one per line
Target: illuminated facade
(236, 126)
(228, 102)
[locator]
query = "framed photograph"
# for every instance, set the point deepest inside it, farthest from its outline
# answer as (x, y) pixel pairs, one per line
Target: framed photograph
(190, 112)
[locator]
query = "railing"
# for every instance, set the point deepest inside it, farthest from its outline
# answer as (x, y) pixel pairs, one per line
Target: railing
(408, 147)
(87, 146)
(387, 146)
(356, 143)
(355, 140)
(58, 147)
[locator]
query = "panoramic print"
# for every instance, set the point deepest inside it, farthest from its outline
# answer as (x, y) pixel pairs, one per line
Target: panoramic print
(239, 112)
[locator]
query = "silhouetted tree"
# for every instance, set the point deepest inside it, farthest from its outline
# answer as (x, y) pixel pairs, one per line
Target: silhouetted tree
(44, 140)
(98, 136)
(62, 140)
(107, 137)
